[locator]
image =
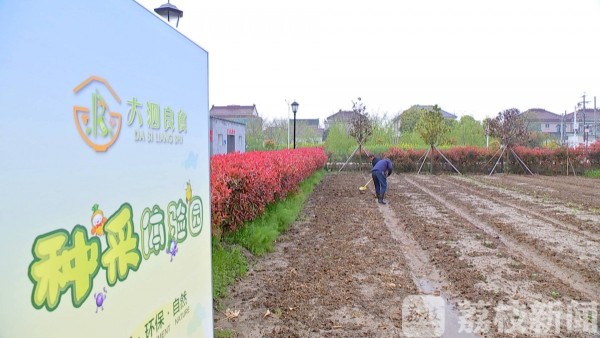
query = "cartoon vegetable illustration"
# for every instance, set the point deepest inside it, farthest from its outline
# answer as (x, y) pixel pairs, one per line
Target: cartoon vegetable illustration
(188, 192)
(98, 221)
(172, 249)
(100, 297)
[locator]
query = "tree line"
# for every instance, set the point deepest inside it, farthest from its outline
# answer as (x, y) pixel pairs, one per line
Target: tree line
(405, 131)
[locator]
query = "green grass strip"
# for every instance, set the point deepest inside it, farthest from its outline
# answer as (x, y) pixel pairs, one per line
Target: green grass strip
(258, 236)
(594, 173)
(225, 333)
(228, 263)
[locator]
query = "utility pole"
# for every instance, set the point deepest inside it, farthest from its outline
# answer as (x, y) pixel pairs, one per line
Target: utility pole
(562, 128)
(487, 134)
(575, 124)
(595, 121)
(585, 130)
(288, 122)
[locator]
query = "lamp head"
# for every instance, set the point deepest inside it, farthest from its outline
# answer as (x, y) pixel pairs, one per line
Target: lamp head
(170, 13)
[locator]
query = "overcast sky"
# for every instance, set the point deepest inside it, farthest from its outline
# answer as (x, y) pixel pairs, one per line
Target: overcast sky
(471, 57)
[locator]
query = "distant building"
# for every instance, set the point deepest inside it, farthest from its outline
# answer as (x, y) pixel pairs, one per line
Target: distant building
(343, 116)
(541, 120)
(587, 117)
(573, 128)
(226, 136)
(582, 126)
(241, 114)
(307, 130)
(397, 121)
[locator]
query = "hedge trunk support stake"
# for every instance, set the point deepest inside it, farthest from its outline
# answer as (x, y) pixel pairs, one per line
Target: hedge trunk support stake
(349, 158)
(450, 163)
(501, 154)
(493, 156)
(439, 152)
(572, 167)
(569, 162)
(424, 159)
(521, 161)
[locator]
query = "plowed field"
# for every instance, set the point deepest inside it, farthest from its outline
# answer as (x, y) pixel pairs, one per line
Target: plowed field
(448, 255)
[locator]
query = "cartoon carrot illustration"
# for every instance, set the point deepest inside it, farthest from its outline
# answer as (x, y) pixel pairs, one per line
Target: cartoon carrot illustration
(98, 221)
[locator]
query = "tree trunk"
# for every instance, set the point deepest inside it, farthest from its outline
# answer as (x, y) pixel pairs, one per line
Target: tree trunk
(360, 157)
(432, 162)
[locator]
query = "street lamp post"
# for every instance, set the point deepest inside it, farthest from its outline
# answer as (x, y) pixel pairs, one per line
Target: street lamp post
(295, 110)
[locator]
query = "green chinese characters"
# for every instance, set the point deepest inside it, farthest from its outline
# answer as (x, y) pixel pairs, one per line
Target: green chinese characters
(64, 261)
(159, 229)
(122, 253)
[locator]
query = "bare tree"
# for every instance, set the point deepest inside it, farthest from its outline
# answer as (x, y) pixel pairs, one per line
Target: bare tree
(254, 134)
(308, 133)
(276, 130)
(361, 126)
(510, 126)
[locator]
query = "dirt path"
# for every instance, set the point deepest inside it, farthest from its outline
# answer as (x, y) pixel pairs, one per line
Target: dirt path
(337, 273)
(426, 277)
(352, 268)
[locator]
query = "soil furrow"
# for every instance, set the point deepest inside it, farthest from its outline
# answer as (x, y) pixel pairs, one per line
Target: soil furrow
(587, 187)
(585, 219)
(545, 189)
(507, 263)
(565, 274)
(425, 276)
(525, 207)
(559, 245)
(480, 271)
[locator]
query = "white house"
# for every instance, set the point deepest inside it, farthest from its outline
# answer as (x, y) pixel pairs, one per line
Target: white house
(226, 136)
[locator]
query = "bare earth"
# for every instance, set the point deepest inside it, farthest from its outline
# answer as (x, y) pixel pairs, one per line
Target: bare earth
(503, 255)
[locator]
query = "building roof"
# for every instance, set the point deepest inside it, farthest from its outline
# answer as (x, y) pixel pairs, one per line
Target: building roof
(227, 120)
(341, 115)
(445, 114)
(542, 115)
(306, 122)
(234, 111)
(588, 114)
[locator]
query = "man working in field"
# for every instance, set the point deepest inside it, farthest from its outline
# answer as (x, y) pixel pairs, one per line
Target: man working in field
(381, 170)
(374, 159)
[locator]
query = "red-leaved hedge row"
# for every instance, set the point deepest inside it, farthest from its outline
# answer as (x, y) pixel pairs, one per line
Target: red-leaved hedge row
(478, 160)
(242, 185)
